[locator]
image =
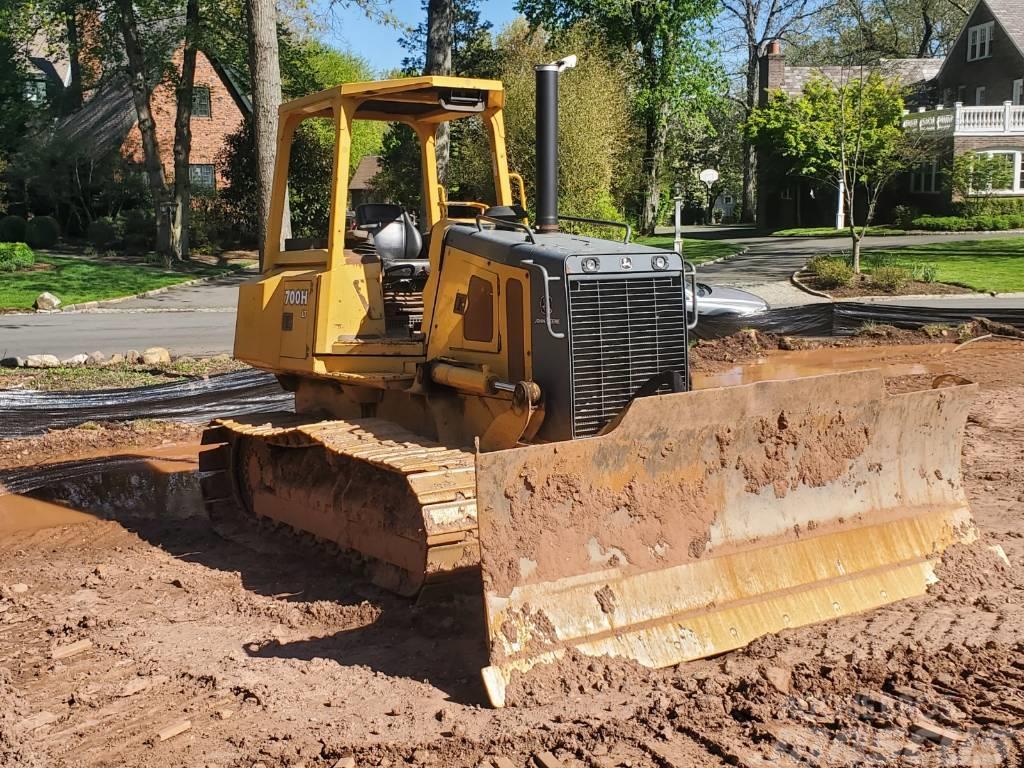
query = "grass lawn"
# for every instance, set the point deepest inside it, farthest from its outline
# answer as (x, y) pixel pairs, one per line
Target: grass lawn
(75, 281)
(696, 251)
(995, 265)
(881, 229)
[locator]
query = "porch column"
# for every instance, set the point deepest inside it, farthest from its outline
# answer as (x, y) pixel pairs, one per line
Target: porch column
(841, 205)
(1007, 116)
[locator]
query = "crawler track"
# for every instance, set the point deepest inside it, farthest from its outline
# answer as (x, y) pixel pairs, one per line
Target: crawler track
(405, 504)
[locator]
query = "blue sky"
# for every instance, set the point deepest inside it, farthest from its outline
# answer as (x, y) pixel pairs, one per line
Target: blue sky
(348, 27)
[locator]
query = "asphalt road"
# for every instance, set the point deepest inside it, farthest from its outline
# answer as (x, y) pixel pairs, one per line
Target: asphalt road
(183, 333)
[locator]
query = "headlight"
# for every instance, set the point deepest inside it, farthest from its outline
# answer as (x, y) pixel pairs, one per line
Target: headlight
(590, 264)
(660, 263)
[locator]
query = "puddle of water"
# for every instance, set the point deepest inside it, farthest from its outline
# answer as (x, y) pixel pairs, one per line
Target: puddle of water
(780, 365)
(24, 513)
(138, 483)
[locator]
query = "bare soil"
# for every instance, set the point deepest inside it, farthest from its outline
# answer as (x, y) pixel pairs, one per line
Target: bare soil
(147, 639)
(863, 286)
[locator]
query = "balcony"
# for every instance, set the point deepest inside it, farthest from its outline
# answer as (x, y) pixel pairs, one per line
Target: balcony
(1006, 119)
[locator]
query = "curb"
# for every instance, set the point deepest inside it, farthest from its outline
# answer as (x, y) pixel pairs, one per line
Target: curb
(795, 280)
(740, 252)
(87, 305)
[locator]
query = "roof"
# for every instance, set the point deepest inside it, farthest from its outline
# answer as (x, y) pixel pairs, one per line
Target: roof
(910, 72)
(425, 99)
(102, 124)
(366, 171)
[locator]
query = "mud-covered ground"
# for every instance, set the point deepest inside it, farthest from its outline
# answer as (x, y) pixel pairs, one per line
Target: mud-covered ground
(150, 639)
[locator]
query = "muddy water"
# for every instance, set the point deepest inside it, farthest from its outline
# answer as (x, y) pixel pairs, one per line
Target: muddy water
(896, 360)
(141, 483)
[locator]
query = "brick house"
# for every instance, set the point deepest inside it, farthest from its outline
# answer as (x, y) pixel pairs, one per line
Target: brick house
(108, 121)
(973, 99)
(979, 101)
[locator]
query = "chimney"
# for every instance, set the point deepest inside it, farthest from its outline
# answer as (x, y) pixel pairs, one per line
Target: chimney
(771, 75)
(547, 141)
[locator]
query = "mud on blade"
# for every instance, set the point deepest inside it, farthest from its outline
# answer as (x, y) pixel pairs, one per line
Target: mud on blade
(707, 519)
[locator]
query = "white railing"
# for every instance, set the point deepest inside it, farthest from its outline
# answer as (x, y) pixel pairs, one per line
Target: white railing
(1003, 119)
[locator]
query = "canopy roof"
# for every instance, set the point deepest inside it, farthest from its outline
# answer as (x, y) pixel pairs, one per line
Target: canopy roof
(428, 99)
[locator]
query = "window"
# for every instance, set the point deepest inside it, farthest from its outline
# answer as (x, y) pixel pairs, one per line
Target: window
(947, 97)
(979, 41)
(787, 193)
(35, 91)
(202, 176)
(979, 96)
(727, 200)
(200, 101)
(961, 93)
(1013, 159)
(1018, 92)
(926, 178)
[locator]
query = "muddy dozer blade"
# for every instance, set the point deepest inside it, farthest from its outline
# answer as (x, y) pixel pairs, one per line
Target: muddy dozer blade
(707, 519)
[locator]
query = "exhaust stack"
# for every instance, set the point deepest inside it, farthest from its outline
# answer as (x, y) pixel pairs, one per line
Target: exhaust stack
(547, 141)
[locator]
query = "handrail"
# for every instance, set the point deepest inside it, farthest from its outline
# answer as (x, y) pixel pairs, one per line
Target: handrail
(548, 279)
(620, 224)
(518, 179)
(506, 223)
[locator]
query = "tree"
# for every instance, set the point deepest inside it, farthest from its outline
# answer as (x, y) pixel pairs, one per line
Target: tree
(674, 67)
(440, 31)
(974, 179)
(863, 31)
(183, 134)
(757, 23)
(139, 76)
(846, 135)
(265, 78)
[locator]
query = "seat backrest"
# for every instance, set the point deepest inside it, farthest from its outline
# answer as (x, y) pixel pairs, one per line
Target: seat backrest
(397, 241)
(377, 214)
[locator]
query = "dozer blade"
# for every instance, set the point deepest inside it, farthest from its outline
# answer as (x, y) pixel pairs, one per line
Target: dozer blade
(707, 519)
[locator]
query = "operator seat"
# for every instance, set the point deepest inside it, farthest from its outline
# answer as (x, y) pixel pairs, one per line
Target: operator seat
(394, 236)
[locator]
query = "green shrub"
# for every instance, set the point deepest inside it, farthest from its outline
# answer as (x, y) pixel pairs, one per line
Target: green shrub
(14, 256)
(137, 244)
(926, 273)
(891, 278)
(102, 234)
(903, 216)
(42, 232)
(981, 222)
(831, 272)
(139, 223)
(12, 229)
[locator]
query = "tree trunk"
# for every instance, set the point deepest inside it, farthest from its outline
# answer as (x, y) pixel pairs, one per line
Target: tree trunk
(855, 251)
(183, 135)
(265, 75)
(654, 156)
(440, 34)
(73, 97)
(147, 128)
(748, 205)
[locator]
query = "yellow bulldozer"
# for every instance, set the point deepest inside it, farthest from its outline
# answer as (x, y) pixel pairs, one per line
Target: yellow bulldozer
(478, 393)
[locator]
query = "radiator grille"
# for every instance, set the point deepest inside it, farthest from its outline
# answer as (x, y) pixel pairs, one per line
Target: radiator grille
(623, 331)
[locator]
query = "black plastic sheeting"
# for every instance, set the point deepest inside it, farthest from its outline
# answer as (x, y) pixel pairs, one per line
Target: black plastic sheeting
(844, 318)
(26, 412)
(29, 412)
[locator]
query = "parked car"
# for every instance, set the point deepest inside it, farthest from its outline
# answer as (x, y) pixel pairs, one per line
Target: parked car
(722, 301)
